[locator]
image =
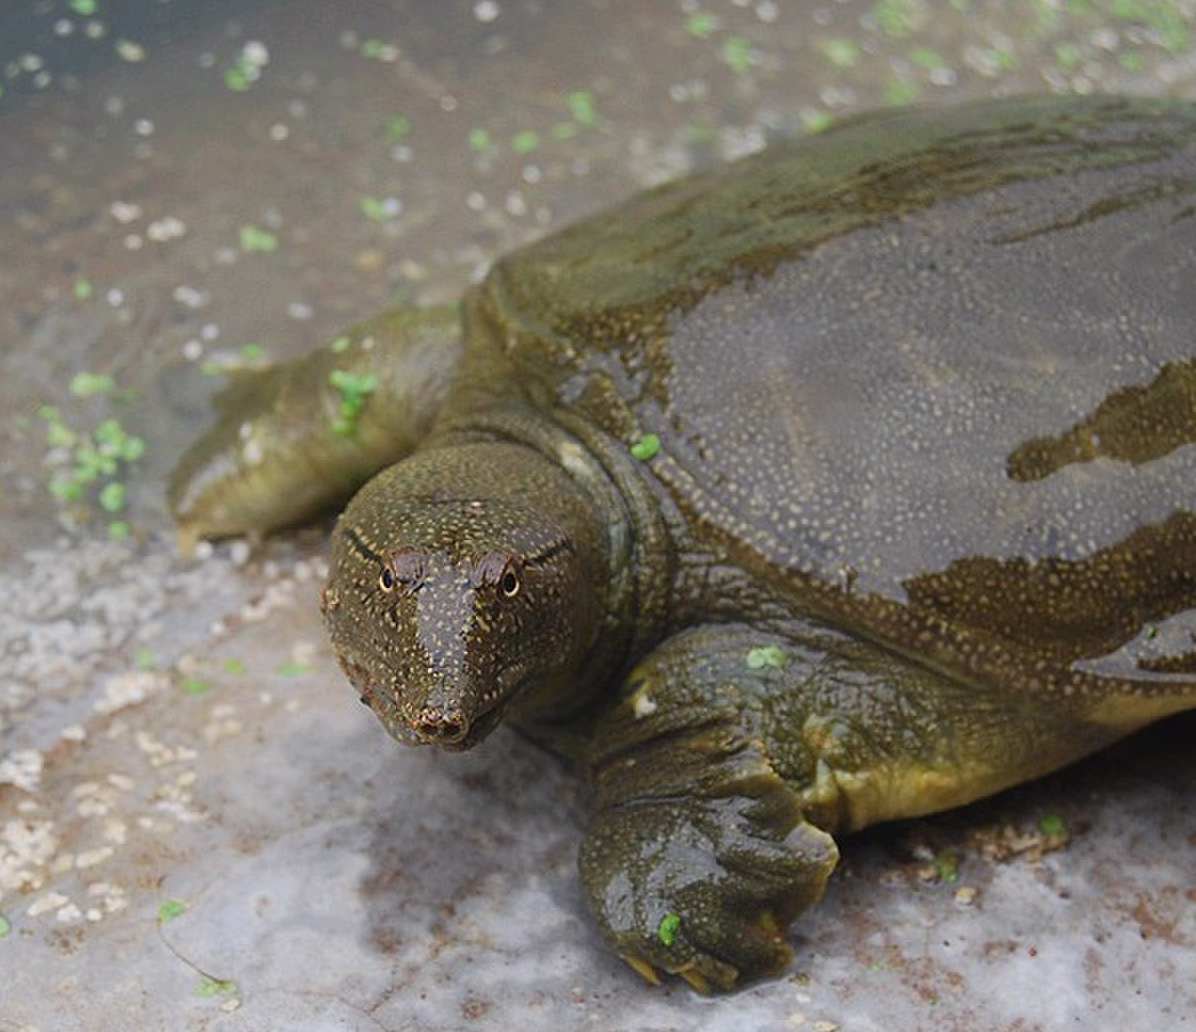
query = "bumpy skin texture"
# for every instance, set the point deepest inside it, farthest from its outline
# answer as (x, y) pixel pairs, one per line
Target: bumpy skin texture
(922, 522)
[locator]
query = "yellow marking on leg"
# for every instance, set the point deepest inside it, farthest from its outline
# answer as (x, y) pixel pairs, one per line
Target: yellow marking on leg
(849, 800)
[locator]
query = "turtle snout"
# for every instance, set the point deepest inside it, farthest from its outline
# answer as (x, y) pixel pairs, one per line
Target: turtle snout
(440, 726)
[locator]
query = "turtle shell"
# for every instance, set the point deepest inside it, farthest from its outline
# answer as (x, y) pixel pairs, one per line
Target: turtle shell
(932, 373)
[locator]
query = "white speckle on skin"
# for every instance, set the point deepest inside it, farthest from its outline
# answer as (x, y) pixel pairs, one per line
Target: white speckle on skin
(643, 705)
(573, 458)
(253, 453)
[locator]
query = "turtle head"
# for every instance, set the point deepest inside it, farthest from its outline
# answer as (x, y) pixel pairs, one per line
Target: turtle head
(446, 605)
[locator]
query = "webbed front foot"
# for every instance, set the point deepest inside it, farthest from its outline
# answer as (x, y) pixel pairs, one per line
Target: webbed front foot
(704, 888)
(699, 855)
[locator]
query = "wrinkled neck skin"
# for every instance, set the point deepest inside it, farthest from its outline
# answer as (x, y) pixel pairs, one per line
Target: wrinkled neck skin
(494, 572)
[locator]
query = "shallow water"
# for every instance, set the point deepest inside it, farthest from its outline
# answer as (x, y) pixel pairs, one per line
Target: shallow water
(192, 186)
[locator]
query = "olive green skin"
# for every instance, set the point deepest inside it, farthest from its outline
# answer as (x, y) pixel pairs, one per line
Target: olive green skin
(922, 521)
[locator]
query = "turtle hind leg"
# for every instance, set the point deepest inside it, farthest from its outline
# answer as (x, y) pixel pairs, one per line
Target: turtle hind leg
(699, 855)
(295, 439)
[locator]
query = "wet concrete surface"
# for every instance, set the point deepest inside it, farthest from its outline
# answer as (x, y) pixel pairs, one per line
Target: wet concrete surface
(199, 827)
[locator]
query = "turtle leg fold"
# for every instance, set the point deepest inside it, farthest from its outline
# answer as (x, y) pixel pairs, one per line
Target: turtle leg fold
(292, 440)
(699, 854)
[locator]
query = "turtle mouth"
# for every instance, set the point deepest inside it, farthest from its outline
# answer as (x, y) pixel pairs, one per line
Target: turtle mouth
(424, 729)
(479, 728)
(454, 730)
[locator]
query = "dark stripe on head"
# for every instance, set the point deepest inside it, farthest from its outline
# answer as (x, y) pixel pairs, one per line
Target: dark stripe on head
(360, 547)
(564, 544)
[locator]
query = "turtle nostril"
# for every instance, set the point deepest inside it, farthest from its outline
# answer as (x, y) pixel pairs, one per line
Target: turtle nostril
(434, 725)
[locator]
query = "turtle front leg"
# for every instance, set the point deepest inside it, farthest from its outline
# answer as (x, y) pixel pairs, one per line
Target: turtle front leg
(699, 854)
(298, 437)
(732, 754)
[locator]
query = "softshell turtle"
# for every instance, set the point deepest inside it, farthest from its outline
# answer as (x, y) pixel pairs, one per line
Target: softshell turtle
(850, 481)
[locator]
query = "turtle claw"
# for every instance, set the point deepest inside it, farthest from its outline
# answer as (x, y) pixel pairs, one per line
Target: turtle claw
(642, 968)
(696, 980)
(704, 972)
(647, 971)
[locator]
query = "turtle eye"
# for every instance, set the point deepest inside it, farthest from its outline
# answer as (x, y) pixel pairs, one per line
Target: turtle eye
(509, 585)
(386, 579)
